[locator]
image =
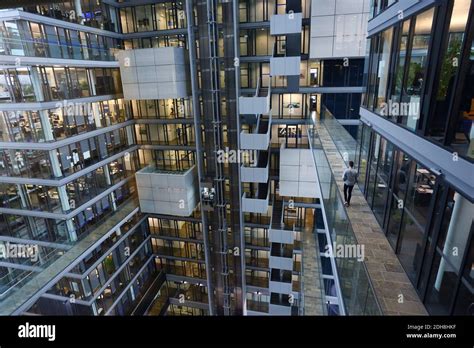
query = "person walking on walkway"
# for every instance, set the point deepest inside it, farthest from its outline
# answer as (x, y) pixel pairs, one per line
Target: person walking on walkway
(350, 178)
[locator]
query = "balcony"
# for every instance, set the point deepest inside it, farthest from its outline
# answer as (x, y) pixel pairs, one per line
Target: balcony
(31, 285)
(280, 232)
(257, 307)
(281, 256)
(280, 282)
(285, 66)
(281, 64)
(259, 104)
(259, 139)
(259, 172)
(256, 262)
(289, 23)
(95, 19)
(257, 282)
(280, 305)
(257, 203)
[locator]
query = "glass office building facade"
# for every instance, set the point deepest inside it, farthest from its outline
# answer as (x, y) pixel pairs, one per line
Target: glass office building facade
(112, 112)
(421, 75)
(424, 220)
(420, 79)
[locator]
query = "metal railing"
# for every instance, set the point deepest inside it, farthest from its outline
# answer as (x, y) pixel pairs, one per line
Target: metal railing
(45, 48)
(344, 142)
(356, 287)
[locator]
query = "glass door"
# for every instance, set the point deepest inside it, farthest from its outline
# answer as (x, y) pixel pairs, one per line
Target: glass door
(431, 233)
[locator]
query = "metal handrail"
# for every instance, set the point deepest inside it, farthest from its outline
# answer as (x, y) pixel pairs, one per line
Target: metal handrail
(349, 228)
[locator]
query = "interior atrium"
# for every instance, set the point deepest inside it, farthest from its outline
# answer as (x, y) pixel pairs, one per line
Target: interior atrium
(189, 158)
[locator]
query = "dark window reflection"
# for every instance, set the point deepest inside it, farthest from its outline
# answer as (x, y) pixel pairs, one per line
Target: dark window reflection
(441, 287)
(462, 138)
(411, 244)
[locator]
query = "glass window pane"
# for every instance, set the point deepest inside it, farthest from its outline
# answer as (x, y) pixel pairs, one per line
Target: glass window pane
(383, 176)
(420, 193)
(411, 250)
(401, 175)
(468, 273)
(400, 66)
(441, 287)
(417, 68)
(383, 69)
(373, 168)
(394, 221)
(462, 137)
(465, 300)
(363, 156)
(449, 67)
(455, 228)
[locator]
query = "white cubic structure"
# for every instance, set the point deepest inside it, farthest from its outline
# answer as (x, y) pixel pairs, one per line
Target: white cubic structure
(254, 105)
(290, 23)
(338, 28)
(167, 192)
(285, 66)
(298, 176)
(155, 73)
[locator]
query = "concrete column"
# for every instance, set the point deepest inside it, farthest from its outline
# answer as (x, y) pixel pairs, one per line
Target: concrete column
(129, 135)
(107, 175)
(78, 9)
(71, 230)
(66, 205)
(85, 50)
(37, 84)
(25, 203)
(63, 196)
(114, 204)
(128, 161)
(23, 197)
(92, 81)
(109, 183)
(94, 309)
(457, 236)
(46, 124)
(96, 115)
(53, 158)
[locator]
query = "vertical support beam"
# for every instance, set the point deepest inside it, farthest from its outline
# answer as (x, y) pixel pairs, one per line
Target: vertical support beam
(293, 46)
(92, 81)
(63, 196)
(47, 129)
(96, 113)
(26, 204)
(232, 77)
(209, 64)
(199, 157)
(109, 183)
(37, 84)
(236, 21)
(78, 9)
